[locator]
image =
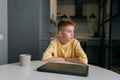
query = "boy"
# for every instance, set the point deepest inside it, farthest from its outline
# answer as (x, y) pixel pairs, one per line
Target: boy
(65, 47)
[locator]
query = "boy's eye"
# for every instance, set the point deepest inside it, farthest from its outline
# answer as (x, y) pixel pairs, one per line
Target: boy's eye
(71, 31)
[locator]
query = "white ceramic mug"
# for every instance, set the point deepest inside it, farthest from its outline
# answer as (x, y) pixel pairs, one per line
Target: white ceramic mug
(25, 59)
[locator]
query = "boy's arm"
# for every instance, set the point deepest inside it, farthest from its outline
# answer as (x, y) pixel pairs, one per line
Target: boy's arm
(48, 54)
(81, 56)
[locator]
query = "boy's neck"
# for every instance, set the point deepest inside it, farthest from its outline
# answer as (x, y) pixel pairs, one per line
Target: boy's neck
(63, 41)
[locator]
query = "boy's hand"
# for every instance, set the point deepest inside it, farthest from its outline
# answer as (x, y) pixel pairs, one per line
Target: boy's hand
(75, 60)
(55, 59)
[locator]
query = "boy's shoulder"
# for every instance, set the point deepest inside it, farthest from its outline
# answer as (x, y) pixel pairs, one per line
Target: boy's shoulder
(55, 40)
(75, 40)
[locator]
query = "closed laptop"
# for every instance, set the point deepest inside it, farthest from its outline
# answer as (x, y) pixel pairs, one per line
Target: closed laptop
(63, 68)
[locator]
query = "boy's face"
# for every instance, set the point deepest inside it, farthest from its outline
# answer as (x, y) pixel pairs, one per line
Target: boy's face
(67, 33)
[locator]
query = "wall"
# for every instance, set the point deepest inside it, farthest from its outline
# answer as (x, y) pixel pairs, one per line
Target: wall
(28, 22)
(3, 32)
(23, 28)
(44, 23)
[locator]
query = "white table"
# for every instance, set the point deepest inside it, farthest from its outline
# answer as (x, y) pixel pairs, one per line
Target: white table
(16, 72)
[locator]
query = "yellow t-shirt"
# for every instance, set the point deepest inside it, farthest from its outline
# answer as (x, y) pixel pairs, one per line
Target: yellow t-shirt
(70, 50)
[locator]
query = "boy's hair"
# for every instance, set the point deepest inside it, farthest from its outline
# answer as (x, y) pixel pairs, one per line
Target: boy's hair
(65, 22)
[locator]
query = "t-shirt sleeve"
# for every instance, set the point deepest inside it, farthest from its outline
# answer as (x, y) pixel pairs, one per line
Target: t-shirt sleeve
(80, 53)
(49, 51)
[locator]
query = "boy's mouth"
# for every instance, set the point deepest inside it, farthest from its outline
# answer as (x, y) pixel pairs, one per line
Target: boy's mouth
(71, 37)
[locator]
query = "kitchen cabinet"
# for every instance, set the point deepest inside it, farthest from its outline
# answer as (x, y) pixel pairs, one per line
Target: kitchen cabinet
(53, 10)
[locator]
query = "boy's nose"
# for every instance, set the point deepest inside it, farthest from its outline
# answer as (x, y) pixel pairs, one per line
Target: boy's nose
(72, 34)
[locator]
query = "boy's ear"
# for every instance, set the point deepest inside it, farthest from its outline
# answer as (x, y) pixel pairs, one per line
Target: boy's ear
(60, 33)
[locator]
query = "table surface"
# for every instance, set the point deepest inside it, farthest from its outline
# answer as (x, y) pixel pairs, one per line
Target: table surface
(16, 72)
